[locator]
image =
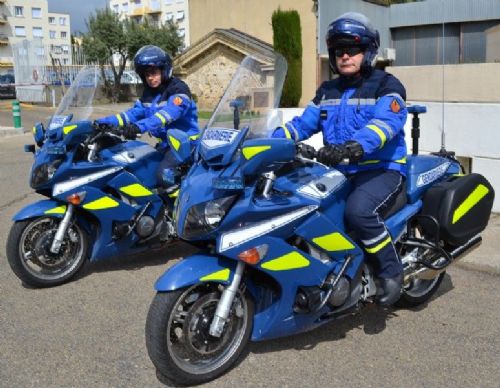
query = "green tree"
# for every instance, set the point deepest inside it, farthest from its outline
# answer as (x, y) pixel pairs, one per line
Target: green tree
(287, 40)
(113, 42)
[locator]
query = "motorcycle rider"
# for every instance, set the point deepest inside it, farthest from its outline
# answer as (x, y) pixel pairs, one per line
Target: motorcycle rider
(361, 114)
(166, 102)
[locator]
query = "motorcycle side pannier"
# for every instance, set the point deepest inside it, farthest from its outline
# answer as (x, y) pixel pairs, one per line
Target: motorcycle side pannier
(461, 205)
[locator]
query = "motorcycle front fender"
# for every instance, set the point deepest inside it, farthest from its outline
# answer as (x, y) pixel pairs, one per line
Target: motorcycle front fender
(197, 269)
(46, 207)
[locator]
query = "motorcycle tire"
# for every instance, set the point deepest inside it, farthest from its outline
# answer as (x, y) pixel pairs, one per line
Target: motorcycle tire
(29, 256)
(178, 339)
(419, 291)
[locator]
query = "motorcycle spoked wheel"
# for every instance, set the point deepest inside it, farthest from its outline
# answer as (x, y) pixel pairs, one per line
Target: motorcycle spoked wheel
(419, 291)
(29, 256)
(178, 339)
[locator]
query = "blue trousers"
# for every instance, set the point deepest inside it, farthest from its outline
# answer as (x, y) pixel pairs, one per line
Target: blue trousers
(372, 192)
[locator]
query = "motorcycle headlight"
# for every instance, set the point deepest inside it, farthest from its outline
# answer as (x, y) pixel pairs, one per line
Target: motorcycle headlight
(205, 217)
(42, 173)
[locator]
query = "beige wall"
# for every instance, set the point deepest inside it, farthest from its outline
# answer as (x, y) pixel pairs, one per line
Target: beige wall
(254, 18)
(479, 82)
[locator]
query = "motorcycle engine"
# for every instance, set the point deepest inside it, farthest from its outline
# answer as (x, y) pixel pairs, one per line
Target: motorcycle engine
(340, 293)
(145, 226)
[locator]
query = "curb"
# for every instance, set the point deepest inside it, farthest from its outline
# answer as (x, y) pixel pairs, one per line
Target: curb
(10, 131)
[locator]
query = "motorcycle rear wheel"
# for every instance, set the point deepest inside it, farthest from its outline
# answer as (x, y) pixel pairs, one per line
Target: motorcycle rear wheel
(29, 256)
(178, 340)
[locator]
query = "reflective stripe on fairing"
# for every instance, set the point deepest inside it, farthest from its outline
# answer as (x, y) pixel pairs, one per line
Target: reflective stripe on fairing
(287, 132)
(101, 204)
(194, 137)
(479, 192)
(175, 143)
(378, 247)
(69, 185)
(250, 152)
(232, 239)
(56, 210)
(221, 275)
(120, 120)
(174, 194)
(136, 190)
(68, 129)
(292, 260)
(368, 162)
(333, 242)
(379, 132)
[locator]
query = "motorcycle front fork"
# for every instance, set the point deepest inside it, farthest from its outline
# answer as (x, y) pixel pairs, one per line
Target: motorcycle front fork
(226, 301)
(62, 229)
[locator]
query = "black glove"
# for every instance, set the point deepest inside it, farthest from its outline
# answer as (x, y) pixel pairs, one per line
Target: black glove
(306, 151)
(333, 154)
(130, 131)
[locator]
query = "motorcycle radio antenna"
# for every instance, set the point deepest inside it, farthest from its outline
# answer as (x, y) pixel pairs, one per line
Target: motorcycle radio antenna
(443, 131)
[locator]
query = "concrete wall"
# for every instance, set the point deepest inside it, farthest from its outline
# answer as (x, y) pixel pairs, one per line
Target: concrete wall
(254, 18)
(478, 82)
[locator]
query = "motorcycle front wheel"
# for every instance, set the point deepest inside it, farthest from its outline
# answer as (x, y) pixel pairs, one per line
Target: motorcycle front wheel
(29, 255)
(178, 339)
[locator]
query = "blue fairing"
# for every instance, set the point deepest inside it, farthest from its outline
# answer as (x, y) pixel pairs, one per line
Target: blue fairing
(193, 269)
(38, 209)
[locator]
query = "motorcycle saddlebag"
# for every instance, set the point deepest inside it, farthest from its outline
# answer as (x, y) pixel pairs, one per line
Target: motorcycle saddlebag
(461, 205)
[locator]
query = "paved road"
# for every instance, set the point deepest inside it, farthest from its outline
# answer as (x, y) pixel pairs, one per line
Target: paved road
(90, 332)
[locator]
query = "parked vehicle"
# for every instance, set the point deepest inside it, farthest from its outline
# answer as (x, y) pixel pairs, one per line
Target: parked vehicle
(7, 86)
(280, 259)
(104, 199)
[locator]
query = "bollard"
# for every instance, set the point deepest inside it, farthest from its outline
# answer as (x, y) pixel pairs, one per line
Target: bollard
(16, 114)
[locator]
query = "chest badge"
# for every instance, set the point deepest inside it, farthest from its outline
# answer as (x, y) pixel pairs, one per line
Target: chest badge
(395, 107)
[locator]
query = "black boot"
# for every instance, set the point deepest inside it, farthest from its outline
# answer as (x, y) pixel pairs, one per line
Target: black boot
(392, 290)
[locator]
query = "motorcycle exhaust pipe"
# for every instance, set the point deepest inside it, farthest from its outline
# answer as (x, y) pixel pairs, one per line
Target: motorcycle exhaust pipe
(456, 254)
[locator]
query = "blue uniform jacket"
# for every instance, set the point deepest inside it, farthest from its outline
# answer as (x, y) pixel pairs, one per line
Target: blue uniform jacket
(169, 106)
(371, 111)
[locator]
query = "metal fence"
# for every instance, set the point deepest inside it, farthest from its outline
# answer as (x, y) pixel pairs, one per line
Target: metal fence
(40, 69)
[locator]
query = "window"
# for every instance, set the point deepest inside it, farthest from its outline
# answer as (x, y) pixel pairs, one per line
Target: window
(56, 49)
(37, 32)
(52, 20)
(65, 48)
(169, 2)
(169, 16)
(65, 61)
(62, 21)
(180, 15)
(20, 31)
(39, 51)
(125, 7)
(181, 32)
(18, 11)
(36, 13)
(180, 1)
(116, 8)
(64, 34)
(52, 34)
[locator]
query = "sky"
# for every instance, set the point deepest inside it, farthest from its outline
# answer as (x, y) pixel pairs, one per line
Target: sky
(79, 11)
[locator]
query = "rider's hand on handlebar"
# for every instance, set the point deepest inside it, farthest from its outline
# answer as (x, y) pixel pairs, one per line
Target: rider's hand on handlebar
(333, 154)
(130, 131)
(306, 151)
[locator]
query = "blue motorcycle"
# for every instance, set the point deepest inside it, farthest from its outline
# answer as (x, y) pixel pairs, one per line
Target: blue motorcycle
(280, 260)
(104, 198)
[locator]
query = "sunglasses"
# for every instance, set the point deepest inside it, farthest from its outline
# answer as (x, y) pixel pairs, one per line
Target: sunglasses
(351, 51)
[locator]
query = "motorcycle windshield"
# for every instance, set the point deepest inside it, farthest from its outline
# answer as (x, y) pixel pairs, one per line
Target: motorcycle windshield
(76, 104)
(252, 98)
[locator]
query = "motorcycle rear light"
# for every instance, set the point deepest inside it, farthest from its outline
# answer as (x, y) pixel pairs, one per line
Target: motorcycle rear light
(253, 255)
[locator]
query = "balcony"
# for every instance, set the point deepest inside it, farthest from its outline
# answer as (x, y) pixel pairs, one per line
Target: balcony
(4, 40)
(6, 62)
(154, 7)
(3, 19)
(137, 11)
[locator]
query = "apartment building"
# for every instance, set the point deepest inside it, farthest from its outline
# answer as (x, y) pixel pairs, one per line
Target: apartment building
(158, 11)
(29, 20)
